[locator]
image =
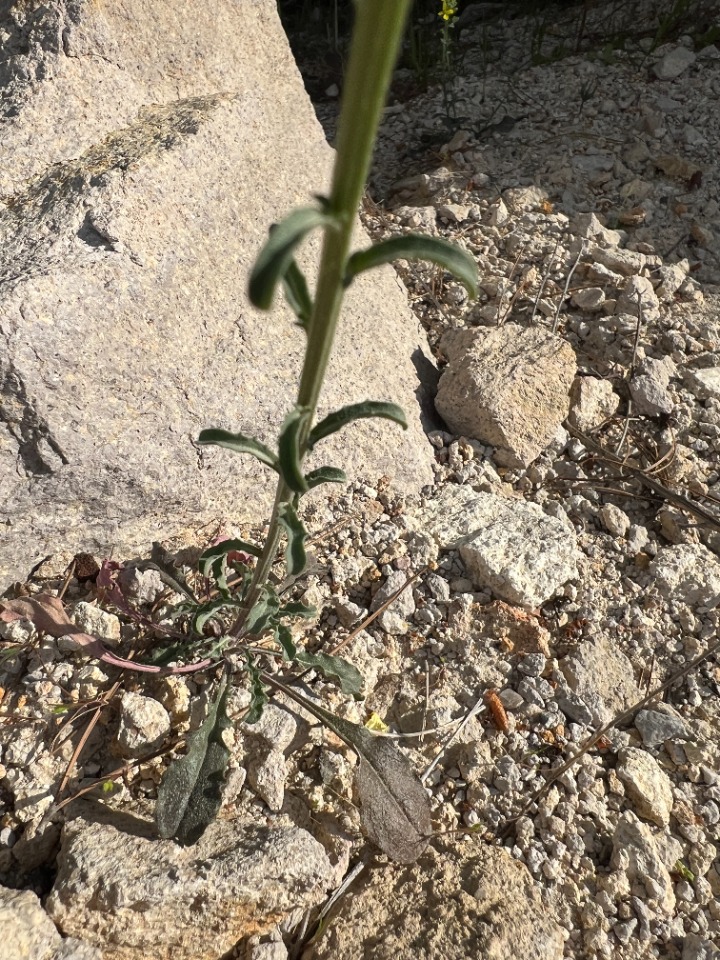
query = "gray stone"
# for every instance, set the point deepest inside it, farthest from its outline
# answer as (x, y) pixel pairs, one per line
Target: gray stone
(624, 262)
(510, 546)
(508, 387)
(703, 384)
(698, 948)
(520, 553)
(648, 387)
(647, 785)
(483, 904)
(589, 299)
(616, 520)
(636, 855)
(394, 619)
(627, 302)
(602, 677)
(144, 725)
(91, 619)
(688, 573)
(132, 895)
(29, 933)
(592, 401)
(144, 155)
(675, 62)
(656, 727)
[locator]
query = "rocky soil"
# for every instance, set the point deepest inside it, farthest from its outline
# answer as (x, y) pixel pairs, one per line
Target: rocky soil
(564, 564)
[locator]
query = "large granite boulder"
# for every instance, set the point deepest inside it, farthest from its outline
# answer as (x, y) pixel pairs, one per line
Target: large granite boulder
(145, 147)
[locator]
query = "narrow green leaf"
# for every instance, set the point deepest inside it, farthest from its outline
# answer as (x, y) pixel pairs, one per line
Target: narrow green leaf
(295, 556)
(285, 640)
(257, 692)
(297, 609)
(416, 247)
(276, 256)
(190, 794)
(394, 807)
(334, 668)
(324, 475)
(221, 550)
(290, 461)
(356, 411)
(263, 615)
(297, 294)
(210, 610)
(238, 443)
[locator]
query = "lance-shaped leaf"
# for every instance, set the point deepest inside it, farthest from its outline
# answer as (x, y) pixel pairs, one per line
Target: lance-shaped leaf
(356, 411)
(297, 294)
(416, 247)
(395, 809)
(238, 443)
(263, 615)
(325, 475)
(276, 256)
(284, 639)
(258, 694)
(214, 561)
(190, 794)
(295, 556)
(334, 668)
(290, 461)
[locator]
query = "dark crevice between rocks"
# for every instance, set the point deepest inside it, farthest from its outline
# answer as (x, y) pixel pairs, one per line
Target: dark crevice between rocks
(28, 428)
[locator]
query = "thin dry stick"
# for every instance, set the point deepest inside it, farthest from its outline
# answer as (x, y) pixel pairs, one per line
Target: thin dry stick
(631, 373)
(498, 320)
(85, 736)
(473, 712)
(574, 267)
(376, 613)
(677, 498)
(593, 739)
(545, 278)
(427, 702)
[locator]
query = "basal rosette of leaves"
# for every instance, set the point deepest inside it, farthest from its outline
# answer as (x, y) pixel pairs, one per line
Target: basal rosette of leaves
(245, 607)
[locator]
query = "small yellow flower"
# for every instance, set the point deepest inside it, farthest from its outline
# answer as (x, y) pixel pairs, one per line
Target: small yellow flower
(449, 9)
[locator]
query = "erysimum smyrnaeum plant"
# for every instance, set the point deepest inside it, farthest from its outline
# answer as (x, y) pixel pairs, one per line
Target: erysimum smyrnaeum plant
(394, 806)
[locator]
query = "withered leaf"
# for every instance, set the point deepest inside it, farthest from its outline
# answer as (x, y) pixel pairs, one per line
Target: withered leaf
(394, 807)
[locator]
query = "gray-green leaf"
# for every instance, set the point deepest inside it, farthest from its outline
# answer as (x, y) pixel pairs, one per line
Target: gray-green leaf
(417, 247)
(325, 475)
(190, 794)
(295, 556)
(238, 443)
(297, 294)
(290, 461)
(395, 809)
(356, 411)
(276, 256)
(334, 668)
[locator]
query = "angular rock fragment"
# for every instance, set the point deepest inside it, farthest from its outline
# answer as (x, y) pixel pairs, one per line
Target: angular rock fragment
(592, 401)
(29, 934)
(648, 786)
(688, 573)
(133, 896)
(483, 904)
(506, 387)
(601, 676)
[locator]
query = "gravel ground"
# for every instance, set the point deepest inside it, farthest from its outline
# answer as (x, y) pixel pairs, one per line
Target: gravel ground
(587, 189)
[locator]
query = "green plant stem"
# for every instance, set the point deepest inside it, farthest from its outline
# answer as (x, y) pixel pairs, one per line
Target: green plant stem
(376, 39)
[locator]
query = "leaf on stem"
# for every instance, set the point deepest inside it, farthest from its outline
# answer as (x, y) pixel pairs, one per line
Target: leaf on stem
(258, 693)
(295, 556)
(276, 256)
(325, 475)
(297, 294)
(355, 411)
(190, 794)
(417, 247)
(395, 809)
(334, 668)
(290, 460)
(238, 443)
